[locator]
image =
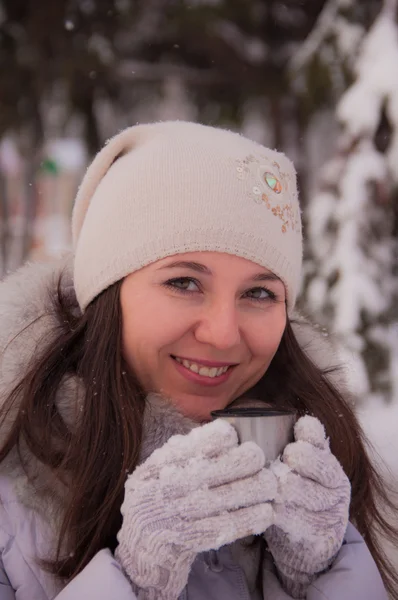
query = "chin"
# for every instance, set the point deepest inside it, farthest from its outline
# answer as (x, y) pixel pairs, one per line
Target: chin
(248, 403)
(203, 416)
(200, 417)
(199, 408)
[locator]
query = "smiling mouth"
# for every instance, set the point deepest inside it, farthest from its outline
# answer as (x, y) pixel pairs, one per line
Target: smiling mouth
(204, 371)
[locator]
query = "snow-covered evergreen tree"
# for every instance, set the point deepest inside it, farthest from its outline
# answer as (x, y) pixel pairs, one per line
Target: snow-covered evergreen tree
(352, 218)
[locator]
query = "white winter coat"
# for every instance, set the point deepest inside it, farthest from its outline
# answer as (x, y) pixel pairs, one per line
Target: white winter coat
(29, 515)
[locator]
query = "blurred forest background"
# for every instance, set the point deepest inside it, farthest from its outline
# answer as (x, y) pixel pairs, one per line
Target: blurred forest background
(315, 78)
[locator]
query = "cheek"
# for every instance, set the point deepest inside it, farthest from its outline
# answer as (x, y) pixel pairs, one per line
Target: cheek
(267, 337)
(150, 329)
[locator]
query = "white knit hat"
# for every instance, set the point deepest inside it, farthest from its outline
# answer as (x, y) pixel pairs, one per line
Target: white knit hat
(166, 188)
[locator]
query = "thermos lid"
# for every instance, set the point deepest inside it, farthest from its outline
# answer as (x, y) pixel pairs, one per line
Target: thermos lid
(251, 412)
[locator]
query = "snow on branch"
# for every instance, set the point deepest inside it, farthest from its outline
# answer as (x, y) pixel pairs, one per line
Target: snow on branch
(354, 290)
(376, 86)
(330, 24)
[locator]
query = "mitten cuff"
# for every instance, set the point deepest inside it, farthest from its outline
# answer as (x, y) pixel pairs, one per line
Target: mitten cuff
(156, 583)
(295, 585)
(295, 566)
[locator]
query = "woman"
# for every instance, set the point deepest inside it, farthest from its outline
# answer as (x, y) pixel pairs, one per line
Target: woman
(178, 301)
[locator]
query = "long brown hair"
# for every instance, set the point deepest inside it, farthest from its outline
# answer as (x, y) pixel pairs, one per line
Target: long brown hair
(91, 458)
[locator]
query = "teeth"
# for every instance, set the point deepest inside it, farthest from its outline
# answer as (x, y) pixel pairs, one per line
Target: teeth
(204, 371)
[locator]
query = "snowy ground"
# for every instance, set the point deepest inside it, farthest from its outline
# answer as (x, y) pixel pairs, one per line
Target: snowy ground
(380, 423)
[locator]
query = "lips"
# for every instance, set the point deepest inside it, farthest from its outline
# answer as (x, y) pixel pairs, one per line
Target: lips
(211, 373)
(201, 369)
(206, 363)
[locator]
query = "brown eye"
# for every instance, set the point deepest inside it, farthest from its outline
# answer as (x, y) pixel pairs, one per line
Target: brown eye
(184, 284)
(260, 293)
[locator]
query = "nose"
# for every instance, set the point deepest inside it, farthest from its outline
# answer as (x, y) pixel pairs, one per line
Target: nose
(219, 326)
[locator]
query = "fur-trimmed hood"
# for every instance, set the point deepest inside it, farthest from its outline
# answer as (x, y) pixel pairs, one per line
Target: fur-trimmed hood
(28, 322)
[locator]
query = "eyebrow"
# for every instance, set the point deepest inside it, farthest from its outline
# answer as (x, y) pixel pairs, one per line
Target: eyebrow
(199, 268)
(187, 264)
(266, 277)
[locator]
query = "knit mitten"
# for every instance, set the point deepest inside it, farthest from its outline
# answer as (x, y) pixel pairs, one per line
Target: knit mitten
(310, 510)
(196, 493)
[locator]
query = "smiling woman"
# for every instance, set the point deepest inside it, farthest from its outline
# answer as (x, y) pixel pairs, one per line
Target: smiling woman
(207, 331)
(178, 300)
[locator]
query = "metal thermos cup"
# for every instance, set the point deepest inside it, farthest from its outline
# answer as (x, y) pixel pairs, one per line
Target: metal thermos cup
(269, 428)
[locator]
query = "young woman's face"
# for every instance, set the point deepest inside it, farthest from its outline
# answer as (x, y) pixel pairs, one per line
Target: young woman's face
(201, 328)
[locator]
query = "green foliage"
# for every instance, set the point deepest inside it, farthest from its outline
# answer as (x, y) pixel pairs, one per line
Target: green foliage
(49, 167)
(318, 85)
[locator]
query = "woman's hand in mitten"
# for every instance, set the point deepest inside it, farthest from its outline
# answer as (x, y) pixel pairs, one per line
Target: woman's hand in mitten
(196, 493)
(310, 510)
